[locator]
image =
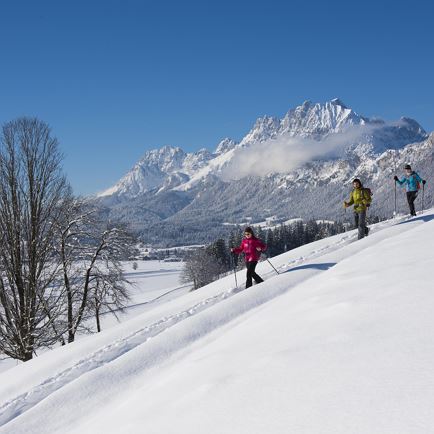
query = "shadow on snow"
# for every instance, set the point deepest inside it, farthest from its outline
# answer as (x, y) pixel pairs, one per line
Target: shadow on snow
(322, 266)
(424, 218)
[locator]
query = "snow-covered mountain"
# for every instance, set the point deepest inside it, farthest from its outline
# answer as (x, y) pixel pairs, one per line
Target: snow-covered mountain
(339, 342)
(165, 167)
(307, 120)
(305, 159)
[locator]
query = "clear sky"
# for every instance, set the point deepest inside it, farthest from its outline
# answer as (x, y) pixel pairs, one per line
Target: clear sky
(114, 78)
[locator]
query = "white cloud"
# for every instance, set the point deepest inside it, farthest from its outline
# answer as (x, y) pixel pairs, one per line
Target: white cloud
(286, 153)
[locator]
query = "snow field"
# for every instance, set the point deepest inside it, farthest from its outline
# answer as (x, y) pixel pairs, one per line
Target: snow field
(216, 352)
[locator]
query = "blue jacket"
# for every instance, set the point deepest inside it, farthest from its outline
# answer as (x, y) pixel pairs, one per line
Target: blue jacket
(410, 182)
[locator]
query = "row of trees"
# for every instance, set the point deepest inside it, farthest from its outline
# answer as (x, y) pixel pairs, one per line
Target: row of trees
(211, 262)
(59, 264)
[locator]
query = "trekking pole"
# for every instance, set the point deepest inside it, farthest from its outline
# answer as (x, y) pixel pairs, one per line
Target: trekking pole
(423, 194)
(235, 270)
(272, 265)
(366, 222)
(394, 181)
(345, 215)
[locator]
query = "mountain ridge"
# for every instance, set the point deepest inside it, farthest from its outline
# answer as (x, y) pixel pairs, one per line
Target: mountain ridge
(317, 149)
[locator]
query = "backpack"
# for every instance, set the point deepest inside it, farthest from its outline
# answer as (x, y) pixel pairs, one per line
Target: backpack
(368, 191)
(417, 182)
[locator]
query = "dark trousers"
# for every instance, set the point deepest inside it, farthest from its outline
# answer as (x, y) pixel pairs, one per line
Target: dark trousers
(251, 274)
(411, 197)
(360, 223)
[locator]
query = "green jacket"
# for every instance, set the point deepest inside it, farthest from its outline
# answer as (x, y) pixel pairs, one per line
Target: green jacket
(361, 199)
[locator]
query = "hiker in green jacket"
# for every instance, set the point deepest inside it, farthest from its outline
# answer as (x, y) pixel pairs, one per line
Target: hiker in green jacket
(361, 198)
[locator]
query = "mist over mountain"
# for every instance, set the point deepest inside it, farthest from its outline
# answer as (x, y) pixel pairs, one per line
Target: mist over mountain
(298, 166)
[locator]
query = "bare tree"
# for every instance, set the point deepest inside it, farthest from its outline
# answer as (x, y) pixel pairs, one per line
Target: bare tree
(201, 268)
(104, 278)
(32, 188)
(90, 251)
(109, 296)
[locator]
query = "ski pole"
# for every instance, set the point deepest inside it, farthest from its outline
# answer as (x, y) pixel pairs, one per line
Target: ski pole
(394, 181)
(235, 270)
(366, 222)
(272, 265)
(423, 194)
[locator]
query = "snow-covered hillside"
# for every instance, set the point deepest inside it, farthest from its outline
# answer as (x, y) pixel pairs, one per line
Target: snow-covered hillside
(339, 342)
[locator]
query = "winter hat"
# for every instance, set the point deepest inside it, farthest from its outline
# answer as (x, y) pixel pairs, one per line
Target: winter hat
(249, 230)
(407, 167)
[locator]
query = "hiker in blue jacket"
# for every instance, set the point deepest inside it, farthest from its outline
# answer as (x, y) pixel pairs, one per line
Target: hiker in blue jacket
(412, 184)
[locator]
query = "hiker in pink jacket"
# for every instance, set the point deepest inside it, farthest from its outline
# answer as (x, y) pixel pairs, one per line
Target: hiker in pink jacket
(252, 248)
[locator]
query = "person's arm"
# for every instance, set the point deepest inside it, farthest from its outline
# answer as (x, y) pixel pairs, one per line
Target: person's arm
(401, 181)
(367, 199)
(350, 202)
(238, 250)
(261, 246)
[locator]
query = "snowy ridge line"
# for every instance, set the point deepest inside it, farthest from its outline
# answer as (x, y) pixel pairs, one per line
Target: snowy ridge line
(24, 402)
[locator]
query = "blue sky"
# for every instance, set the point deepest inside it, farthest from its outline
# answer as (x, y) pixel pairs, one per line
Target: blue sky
(115, 78)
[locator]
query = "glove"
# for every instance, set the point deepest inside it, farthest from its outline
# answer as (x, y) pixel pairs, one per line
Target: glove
(424, 182)
(345, 205)
(395, 178)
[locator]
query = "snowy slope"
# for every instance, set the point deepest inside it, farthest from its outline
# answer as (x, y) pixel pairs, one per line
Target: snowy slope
(339, 342)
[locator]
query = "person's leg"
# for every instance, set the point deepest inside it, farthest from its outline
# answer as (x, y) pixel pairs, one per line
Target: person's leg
(414, 196)
(361, 221)
(411, 197)
(258, 279)
(356, 220)
(409, 201)
(366, 223)
(249, 281)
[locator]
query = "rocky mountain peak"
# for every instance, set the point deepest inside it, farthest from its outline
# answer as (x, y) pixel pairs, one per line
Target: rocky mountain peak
(225, 145)
(316, 121)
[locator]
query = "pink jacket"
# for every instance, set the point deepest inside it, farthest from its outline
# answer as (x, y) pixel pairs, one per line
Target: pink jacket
(248, 246)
